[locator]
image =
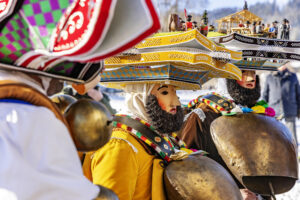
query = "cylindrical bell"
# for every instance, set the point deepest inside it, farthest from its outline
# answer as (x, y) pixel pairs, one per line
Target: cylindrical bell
(89, 122)
(62, 101)
(258, 150)
(199, 178)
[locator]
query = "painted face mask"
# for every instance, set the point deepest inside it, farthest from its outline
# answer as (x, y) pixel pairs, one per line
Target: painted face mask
(166, 97)
(164, 109)
(248, 79)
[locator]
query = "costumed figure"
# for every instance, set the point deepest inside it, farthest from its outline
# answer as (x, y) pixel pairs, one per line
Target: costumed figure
(235, 112)
(183, 25)
(94, 94)
(195, 24)
(144, 155)
(44, 43)
(204, 24)
(211, 28)
(189, 23)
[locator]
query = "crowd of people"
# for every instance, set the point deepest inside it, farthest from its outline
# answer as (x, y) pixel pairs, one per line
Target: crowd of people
(270, 30)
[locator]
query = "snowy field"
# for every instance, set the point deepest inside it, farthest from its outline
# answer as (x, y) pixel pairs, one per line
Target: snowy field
(117, 102)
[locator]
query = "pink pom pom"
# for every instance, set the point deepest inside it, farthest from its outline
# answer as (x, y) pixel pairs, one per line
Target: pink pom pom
(270, 112)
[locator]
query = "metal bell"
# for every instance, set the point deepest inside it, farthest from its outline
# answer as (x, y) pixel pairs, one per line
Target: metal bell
(90, 124)
(258, 150)
(199, 178)
(62, 101)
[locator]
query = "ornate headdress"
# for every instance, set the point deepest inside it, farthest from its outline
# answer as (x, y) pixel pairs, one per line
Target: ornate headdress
(185, 60)
(67, 39)
(261, 48)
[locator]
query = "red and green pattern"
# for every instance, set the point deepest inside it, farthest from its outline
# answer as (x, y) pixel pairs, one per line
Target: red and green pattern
(43, 16)
(30, 28)
(14, 40)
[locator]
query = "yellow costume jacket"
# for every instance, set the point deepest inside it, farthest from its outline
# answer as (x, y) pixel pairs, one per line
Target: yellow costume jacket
(124, 166)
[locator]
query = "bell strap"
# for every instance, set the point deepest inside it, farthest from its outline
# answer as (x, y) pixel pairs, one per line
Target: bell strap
(163, 147)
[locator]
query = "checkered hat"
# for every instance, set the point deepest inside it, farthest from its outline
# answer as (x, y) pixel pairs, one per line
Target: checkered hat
(59, 38)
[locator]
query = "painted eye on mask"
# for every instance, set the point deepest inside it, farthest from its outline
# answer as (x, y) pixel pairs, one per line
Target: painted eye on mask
(165, 93)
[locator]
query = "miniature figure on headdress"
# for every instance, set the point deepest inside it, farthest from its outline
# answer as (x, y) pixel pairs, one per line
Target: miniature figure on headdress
(204, 24)
(189, 23)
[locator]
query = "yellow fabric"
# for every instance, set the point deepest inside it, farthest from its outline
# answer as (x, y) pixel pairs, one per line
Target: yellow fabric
(124, 166)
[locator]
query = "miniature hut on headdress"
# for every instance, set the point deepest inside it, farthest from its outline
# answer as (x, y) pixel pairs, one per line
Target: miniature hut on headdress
(230, 23)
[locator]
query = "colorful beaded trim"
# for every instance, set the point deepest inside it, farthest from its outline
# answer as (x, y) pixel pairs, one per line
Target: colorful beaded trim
(173, 139)
(216, 107)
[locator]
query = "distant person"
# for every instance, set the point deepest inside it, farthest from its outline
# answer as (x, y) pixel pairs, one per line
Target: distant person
(263, 30)
(253, 28)
(211, 28)
(283, 29)
(275, 24)
(288, 28)
(266, 30)
(259, 28)
(282, 92)
(248, 24)
(272, 31)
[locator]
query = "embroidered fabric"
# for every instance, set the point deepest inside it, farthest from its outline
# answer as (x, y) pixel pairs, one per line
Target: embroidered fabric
(199, 112)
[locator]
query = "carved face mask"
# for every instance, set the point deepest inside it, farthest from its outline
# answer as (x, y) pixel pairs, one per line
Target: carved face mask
(248, 79)
(166, 97)
(164, 109)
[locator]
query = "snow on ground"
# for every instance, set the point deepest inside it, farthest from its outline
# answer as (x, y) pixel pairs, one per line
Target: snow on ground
(118, 102)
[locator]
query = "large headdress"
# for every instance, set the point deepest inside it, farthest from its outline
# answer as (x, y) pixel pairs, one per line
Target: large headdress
(185, 60)
(260, 50)
(66, 39)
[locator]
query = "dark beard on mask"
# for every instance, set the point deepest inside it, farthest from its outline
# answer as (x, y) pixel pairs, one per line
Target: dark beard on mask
(243, 96)
(163, 121)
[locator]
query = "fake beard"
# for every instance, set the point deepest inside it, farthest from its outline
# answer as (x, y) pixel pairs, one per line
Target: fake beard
(241, 95)
(163, 121)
